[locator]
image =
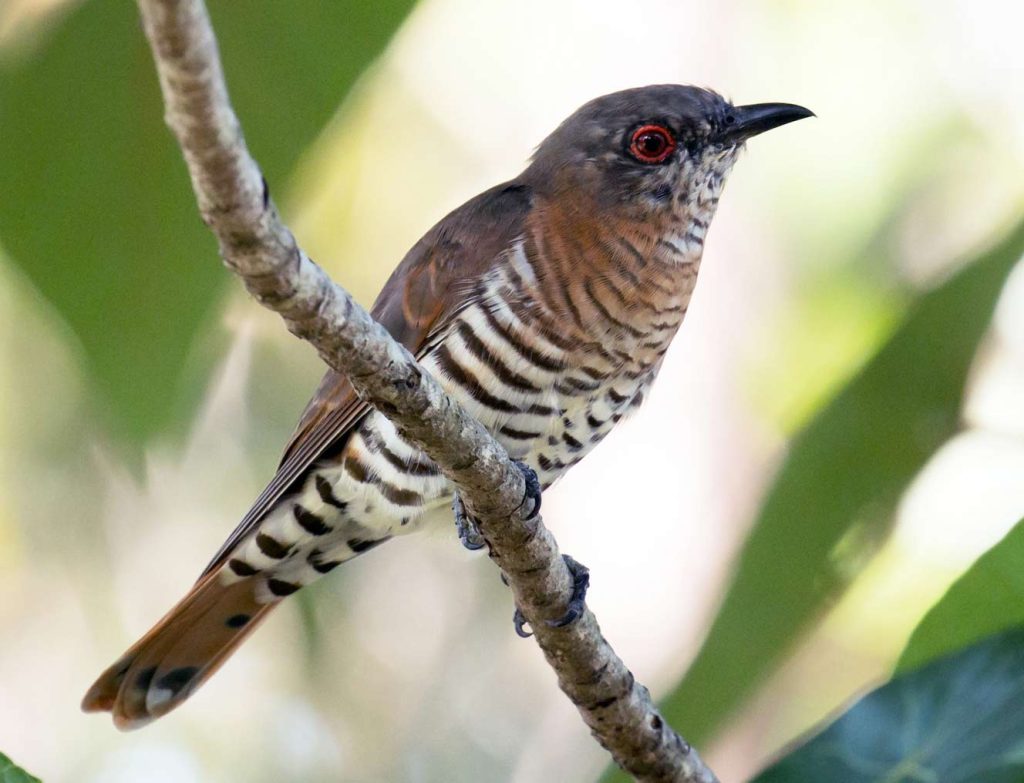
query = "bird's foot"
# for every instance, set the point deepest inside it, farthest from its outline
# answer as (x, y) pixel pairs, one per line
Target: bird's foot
(465, 526)
(577, 602)
(531, 499)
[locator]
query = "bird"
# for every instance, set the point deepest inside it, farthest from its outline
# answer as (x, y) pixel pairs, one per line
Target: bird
(544, 305)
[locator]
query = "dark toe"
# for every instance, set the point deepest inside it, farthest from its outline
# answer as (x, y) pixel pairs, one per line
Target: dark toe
(531, 498)
(578, 602)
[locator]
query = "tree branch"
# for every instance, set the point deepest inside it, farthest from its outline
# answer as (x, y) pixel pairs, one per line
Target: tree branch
(235, 203)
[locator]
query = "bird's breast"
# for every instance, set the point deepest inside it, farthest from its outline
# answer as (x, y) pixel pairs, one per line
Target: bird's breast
(548, 389)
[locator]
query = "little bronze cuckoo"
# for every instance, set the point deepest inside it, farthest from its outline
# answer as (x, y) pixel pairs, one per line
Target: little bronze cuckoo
(544, 305)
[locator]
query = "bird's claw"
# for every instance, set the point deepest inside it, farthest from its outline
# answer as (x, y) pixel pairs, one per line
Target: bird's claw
(465, 526)
(531, 498)
(577, 602)
(520, 622)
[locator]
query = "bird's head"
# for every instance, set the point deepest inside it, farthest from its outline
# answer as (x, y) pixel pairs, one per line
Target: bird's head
(663, 148)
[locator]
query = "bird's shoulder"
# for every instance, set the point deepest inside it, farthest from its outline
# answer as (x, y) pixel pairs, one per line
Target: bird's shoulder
(433, 282)
(436, 279)
(438, 275)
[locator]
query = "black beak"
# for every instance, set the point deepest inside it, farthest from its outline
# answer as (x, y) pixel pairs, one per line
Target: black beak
(742, 122)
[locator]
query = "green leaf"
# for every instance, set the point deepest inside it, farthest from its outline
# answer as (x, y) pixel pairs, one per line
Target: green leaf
(11, 773)
(97, 210)
(833, 497)
(988, 598)
(957, 720)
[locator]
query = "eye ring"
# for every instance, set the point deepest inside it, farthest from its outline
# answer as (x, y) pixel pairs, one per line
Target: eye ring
(652, 144)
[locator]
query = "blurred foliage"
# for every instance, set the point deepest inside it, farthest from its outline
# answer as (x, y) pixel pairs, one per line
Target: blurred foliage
(824, 337)
(988, 598)
(11, 773)
(97, 214)
(97, 209)
(833, 498)
(956, 720)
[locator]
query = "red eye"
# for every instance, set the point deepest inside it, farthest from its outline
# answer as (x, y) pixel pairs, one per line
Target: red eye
(651, 144)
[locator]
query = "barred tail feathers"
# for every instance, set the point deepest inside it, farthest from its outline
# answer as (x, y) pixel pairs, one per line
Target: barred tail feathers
(179, 653)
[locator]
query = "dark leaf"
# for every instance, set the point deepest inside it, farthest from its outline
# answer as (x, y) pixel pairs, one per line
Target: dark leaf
(10, 773)
(959, 719)
(989, 597)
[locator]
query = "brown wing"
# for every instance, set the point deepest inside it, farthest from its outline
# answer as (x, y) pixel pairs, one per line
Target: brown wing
(436, 279)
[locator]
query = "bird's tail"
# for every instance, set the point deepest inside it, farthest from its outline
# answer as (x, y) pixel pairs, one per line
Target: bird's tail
(179, 653)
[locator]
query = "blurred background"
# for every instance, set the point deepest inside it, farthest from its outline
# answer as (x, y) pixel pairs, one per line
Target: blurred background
(835, 437)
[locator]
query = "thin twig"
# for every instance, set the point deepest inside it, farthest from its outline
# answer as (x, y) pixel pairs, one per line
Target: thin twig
(235, 203)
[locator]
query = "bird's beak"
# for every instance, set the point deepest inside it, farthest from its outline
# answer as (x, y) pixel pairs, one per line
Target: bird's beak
(745, 121)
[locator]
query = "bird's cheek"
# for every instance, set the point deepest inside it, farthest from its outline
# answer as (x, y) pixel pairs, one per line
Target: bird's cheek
(661, 193)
